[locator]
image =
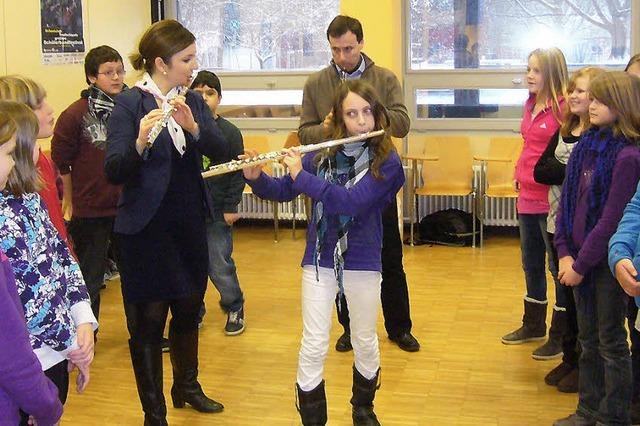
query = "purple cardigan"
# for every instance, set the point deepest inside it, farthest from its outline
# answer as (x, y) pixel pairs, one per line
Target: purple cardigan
(592, 248)
(23, 385)
(364, 201)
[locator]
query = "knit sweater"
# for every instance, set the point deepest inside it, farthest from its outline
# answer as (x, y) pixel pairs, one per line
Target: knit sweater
(48, 279)
(592, 246)
(74, 153)
(364, 202)
(22, 382)
(317, 100)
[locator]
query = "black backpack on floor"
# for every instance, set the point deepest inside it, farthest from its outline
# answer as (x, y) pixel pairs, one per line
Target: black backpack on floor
(450, 227)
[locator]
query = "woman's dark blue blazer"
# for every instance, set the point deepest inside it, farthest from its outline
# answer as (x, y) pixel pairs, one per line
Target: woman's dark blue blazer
(145, 178)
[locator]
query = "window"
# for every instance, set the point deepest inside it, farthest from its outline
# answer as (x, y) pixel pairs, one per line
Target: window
(259, 35)
(466, 59)
(262, 50)
(470, 103)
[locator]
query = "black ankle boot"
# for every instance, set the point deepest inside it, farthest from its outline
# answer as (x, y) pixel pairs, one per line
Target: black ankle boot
(184, 359)
(364, 391)
(312, 405)
(147, 367)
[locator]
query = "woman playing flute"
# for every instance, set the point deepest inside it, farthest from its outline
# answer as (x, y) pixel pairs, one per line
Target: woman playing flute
(160, 223)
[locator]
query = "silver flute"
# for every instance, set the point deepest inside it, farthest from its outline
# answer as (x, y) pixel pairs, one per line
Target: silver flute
(162, 122)
(235, 165)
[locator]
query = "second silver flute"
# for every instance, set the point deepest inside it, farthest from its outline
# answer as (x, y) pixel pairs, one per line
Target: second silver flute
(235, 165)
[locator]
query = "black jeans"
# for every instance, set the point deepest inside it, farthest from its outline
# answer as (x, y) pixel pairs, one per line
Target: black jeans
(632, 313)
(564, 299)
(91, 238)
(59, 375)
(605, 363)
(394, 291)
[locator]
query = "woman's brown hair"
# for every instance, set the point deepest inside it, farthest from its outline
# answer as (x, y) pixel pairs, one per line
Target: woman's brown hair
(620, 92)
(161, 40)
(24, 177)
(571, 120)
(379, 146)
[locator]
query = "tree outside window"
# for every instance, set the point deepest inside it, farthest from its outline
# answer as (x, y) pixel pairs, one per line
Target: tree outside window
(259, 35)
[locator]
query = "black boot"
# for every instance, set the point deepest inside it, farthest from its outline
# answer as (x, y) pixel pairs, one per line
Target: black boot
(553, 347)
(364, 391)
(534, 325)
(184, 359)
(147, 367)
(312, 405)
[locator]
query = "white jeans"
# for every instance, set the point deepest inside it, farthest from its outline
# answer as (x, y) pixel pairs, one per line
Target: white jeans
(362, 291)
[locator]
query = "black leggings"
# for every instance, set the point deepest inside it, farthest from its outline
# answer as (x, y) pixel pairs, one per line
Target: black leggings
(59, 375)
(146, 321)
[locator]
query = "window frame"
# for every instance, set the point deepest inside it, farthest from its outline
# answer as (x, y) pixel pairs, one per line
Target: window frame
(475, 78)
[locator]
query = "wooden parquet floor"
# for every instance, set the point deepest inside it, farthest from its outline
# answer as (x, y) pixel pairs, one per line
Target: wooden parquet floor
(462, 301)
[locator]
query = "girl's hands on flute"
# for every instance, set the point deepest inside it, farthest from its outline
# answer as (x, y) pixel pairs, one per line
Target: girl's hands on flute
(293, 160)
(251, 173)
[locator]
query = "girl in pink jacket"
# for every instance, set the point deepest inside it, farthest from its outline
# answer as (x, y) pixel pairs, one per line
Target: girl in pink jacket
(547, 80)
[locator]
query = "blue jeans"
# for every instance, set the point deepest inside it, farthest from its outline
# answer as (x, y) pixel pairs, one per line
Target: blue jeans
(534, 245)
(605, 362)
(222, 268)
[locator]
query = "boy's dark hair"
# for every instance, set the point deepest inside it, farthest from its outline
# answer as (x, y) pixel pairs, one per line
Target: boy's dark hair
(342, 24)
(98, 56)
(207, 78)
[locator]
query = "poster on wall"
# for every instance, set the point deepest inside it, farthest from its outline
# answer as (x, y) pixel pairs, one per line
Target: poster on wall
(62, 31)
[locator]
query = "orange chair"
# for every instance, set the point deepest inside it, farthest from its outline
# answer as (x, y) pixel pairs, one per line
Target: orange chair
(449, 172)
(496, 177)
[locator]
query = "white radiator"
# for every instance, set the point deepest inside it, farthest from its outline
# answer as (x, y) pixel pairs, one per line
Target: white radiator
(498, 211)
(252, 207)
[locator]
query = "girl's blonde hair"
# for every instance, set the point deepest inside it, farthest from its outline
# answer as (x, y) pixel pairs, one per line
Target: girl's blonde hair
(635, 59)
(555, 78)
(379, 146)
(22, 89)
(24, 177)
(571, 120)
(620, 92)
(7, 127)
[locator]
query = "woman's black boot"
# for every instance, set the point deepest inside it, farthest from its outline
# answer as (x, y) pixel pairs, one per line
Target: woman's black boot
(184, 359)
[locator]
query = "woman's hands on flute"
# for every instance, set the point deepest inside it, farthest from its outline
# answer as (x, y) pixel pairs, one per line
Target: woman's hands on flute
(146, 124)
(184, 116)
